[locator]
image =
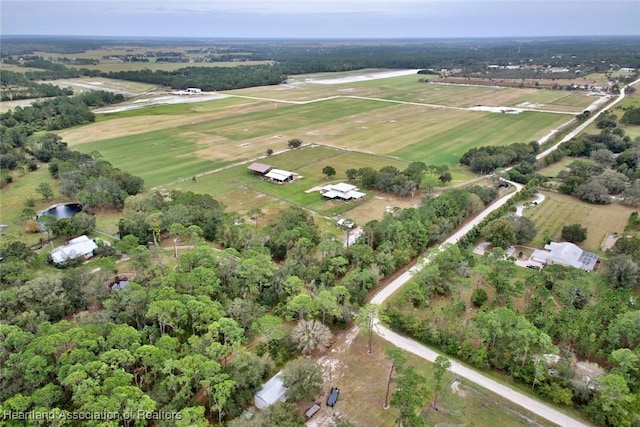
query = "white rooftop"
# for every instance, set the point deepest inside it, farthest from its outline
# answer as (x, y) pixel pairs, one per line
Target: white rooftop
(271, 392)
(565, 253)
(78, 247)
(342, 191)
(279, 174)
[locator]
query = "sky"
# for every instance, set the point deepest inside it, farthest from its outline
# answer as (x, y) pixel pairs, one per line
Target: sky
(320, 18)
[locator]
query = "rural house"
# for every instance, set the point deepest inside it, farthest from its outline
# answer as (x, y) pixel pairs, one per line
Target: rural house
(341, 191)
(79, 247)
(565, 253)
(271, 392)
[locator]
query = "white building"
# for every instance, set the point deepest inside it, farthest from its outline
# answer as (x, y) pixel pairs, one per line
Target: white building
(271, 392)
(191, 90)
(565, 253)
(280, 176)
(79, 247)
(341, 191)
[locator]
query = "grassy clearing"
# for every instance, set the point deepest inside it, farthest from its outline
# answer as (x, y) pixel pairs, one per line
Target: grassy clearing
(554, 169)
(134, 122)
(158, 157)
(15, 194)
(241, 190)
(101, 83)
(409, 89)
(362, 379)
(558, 210)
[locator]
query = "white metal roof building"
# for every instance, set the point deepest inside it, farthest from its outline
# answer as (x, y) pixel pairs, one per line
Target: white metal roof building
(341, 191)
(565, 253)
(271, 392)
(79, 247)
(279, 175)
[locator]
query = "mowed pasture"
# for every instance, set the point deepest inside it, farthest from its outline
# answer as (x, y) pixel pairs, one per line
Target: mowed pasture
(409, 89)
(558, 210)
(199, 137)
(454, 138)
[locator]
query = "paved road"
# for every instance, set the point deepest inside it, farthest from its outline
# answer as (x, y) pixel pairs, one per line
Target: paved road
(587, 122)
(536, 406)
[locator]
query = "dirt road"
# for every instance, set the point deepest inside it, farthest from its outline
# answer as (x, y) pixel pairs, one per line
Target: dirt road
(537, 407)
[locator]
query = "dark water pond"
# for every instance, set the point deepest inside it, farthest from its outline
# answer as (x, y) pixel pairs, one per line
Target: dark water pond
(66, 210)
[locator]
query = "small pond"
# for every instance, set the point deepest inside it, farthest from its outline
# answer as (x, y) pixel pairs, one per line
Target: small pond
(65, 210)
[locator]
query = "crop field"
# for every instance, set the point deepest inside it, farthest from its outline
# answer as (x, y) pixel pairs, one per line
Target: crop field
(558, 210)
(158, 157)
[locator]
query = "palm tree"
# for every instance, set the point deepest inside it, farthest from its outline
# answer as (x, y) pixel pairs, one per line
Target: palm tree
(310, 335)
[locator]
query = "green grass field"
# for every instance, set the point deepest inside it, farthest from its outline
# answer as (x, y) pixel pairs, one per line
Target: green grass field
(558, 210)
(446, 146)
(201, 141)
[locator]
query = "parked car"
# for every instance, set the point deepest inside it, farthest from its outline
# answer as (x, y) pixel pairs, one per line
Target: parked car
(333, 396)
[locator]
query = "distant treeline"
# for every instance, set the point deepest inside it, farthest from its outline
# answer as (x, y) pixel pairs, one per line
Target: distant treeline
(17, 86)
(209, 78)
(53, 114)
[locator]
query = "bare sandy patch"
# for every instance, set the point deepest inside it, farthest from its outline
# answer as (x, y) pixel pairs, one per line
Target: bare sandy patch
(363, 77)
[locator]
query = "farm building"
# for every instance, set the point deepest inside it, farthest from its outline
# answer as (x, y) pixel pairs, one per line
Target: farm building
(79, 247)
(280, 176)
(341, 191)
(259, 168)
(192, 90)
(271, 392)
(565, 253)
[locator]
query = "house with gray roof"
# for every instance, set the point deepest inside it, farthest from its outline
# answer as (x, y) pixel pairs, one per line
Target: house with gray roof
(565, 253)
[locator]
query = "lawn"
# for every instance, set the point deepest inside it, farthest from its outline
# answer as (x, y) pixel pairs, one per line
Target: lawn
(558, 210)
(13, 197)
(158, 157)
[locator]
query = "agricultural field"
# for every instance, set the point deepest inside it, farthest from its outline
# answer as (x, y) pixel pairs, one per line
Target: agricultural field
(211, 139)
(558, 210)
(408, 89)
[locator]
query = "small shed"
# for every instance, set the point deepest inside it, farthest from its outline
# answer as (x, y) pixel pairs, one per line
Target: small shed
(259, 168)
(271, 392)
